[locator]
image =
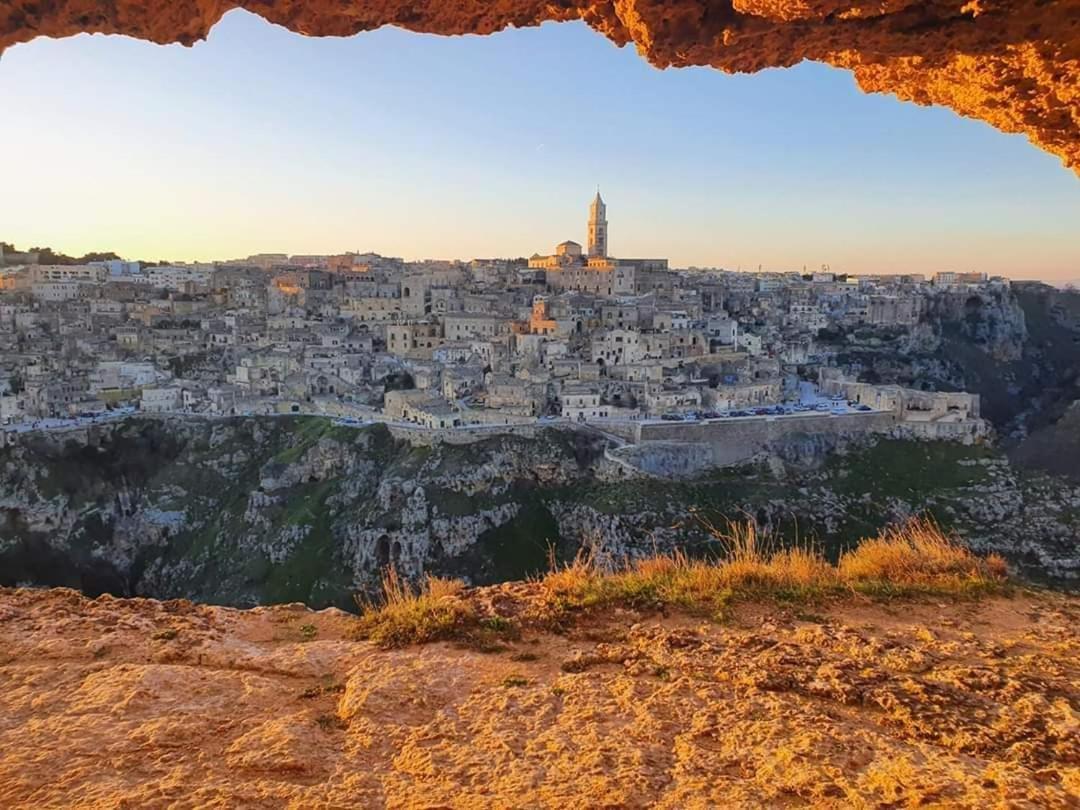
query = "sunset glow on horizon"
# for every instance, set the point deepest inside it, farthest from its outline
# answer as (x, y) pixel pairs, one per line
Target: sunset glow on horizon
(260, 140)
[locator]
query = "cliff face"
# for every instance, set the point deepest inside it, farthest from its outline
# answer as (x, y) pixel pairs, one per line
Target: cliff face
(1017, 348)
(137, 703)
(1012, 63)
(258, 510)
(253, 510)
(1055, 448)
(991, 321)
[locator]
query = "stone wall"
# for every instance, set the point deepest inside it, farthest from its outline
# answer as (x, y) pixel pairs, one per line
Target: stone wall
(732, 441)
(426, 437)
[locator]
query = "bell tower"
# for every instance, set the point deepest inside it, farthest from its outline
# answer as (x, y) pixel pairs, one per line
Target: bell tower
(597, 227)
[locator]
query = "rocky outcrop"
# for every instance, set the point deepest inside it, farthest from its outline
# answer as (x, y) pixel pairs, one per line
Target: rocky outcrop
(1015, 65)
(253, 510)
(259, 510)
(139, 703)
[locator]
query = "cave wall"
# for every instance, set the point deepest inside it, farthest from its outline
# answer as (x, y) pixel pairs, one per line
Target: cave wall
(1012, 63)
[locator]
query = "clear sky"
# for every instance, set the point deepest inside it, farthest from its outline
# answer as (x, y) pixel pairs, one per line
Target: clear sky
(260, 140)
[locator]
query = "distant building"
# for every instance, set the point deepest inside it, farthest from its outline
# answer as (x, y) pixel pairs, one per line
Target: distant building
(580, 403)
(598, 232)
(45, 273)
(157, 400)
(56, 291)
(595, 272)
(180, 277)
(894, 310)
(568, 248)
(118, 267)
(539, 322)
(463, 326)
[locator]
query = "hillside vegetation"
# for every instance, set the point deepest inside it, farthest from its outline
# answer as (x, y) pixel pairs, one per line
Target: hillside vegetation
(913, 559)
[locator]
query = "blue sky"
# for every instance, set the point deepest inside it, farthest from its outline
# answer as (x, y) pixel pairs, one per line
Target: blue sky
(419, 146)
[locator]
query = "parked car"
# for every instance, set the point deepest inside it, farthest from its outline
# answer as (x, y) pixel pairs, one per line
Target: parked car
(863, 408)
(671, 417)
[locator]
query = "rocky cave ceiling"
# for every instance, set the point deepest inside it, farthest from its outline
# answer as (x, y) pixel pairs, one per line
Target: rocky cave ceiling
(1015, 65)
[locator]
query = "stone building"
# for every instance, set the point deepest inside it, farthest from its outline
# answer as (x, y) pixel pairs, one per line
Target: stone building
(598, 233)
(581, 403)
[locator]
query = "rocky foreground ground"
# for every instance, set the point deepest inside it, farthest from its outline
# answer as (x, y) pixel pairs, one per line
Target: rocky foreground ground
(139, 703)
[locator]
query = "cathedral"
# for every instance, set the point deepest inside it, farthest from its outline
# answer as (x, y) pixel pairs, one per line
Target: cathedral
(593, 271)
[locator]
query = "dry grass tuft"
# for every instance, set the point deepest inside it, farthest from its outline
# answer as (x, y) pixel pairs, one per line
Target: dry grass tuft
(918, 557)
(913, 558)
(700, 585)
(433, 611)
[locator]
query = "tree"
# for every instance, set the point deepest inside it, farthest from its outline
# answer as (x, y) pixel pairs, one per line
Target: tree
(47, 255)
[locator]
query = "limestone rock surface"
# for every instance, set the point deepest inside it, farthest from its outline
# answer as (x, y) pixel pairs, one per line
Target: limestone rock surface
(139, 703)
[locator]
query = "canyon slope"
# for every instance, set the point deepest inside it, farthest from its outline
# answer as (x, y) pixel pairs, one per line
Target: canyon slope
(139, 703)
(257, 510)
(1012, 63)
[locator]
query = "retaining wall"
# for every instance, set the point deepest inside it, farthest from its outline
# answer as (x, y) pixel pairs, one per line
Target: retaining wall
(731, 441)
